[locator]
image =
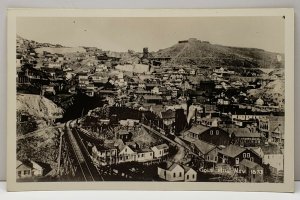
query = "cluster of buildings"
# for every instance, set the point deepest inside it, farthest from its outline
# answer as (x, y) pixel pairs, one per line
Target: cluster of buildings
(116, 152)
(209, 109)
(245, 150)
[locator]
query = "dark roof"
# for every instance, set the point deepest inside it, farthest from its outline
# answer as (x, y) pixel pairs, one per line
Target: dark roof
(169, 114)
(232, 151)
(249, 164)
(199, 129)
(203, 146)
(144, 150)
(244, 132)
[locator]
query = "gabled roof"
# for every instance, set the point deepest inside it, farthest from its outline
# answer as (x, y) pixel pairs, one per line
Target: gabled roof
(232, 150)
(169, 165)
(199, 129)
(162, 146)
(203, 146)
(19, 163)
(186, 168)
(249, 164)
(168, 114)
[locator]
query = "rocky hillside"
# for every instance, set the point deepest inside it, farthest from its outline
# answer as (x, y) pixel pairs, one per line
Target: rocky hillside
(273, 91)
(203, 53)
(40, 109)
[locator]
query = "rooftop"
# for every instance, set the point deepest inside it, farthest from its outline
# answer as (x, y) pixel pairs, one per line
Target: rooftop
(249, 164)
(232, 150)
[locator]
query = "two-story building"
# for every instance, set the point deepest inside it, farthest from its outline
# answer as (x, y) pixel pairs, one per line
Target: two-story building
(160, 150)
(233, 155)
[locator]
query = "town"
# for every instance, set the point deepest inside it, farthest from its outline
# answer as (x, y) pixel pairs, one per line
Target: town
(148, 116)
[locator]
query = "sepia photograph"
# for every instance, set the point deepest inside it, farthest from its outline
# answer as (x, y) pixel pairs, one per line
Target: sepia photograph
(160, 99)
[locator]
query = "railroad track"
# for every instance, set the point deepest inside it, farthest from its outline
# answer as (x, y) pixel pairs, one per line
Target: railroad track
(172, 141)
(84, 167)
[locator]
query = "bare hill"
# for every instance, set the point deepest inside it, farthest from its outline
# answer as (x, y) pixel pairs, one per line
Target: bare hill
(60, 50)
(38, 106)
(206, 54)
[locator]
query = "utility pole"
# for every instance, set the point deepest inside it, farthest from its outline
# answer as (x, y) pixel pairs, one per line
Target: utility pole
(59, 152)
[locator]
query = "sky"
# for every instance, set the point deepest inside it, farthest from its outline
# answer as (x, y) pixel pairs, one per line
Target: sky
(121, 34)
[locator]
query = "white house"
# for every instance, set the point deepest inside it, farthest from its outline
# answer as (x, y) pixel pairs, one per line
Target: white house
(127, 154)
(104, 155)
(274, 160)
(174, 172)
(23, 171)
(273, 156)
(129, 122)
(189, 174)
(144, 155)
(160, 150)
(28, 169)
(37, 170)
(259, 102)
(171, 172)
(155, 90)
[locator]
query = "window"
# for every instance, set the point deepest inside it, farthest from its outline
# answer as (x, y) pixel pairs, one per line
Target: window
(244, 155)
(19, 173)
(26, 172)
(251, 159)
(125, 150)
(216, 158)
(217, 132)
(207, 157)
(248, 155)
(187, 176)
(211, 132)
(160, 152)
(150, 154)
(142, 155)
(180, 174)
(193, 175)
(174, 175)
(237, 161)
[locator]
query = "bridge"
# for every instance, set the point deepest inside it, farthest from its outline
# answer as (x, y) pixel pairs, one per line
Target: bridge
(74, 161)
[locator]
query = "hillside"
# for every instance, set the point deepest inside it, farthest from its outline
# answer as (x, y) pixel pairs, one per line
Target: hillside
(60, 50)
(38, 106)
(273, 91)
(203, 53)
